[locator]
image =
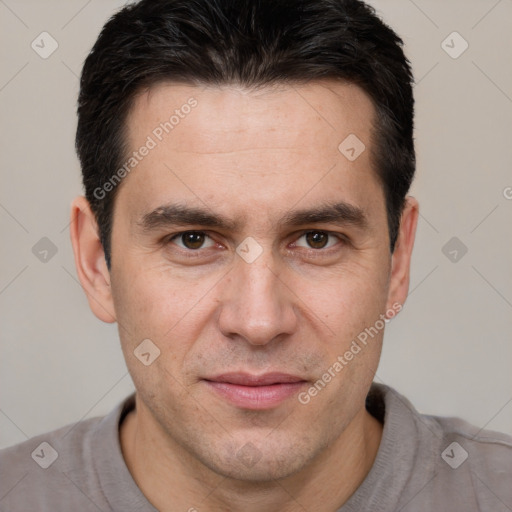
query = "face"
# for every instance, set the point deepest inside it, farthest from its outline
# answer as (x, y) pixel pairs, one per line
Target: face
(252, 251)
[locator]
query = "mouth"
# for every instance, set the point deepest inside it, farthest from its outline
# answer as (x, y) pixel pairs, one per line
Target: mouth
(255, 392)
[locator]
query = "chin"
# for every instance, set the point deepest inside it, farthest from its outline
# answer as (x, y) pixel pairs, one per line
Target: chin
(260, 465)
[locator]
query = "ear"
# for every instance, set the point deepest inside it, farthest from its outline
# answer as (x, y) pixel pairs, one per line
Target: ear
(401, 259)
(90, 261)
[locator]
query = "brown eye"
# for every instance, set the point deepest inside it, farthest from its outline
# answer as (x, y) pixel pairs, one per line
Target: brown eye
(192, 240)
(317, 239)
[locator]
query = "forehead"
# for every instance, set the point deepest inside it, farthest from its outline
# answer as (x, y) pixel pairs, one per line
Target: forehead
(235, 149)
(223, 116)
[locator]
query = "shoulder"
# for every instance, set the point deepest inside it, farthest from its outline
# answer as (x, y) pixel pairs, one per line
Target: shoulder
(483, 453)
(474, 466)
(471, 466)
(441, 461)
(59, 468)
(39, 467)
(69, 438)
(494, 449)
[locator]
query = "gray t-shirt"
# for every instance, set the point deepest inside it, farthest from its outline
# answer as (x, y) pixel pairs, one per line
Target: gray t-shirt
(424, 463)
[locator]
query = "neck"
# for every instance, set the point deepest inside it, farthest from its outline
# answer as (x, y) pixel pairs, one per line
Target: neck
(173, 480)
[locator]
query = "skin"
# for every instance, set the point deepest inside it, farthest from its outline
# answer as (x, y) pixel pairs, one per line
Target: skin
(252, 157)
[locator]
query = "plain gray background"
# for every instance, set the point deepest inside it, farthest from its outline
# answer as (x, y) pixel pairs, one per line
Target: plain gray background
(450, 349)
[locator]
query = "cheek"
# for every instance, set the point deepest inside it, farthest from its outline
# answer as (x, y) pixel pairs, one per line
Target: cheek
(345, 300)
(156, 305)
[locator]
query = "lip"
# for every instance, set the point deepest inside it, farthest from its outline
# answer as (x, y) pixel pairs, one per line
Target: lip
(255, 392)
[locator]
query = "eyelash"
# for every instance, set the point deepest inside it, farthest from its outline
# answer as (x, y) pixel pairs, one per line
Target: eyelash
(197, 252)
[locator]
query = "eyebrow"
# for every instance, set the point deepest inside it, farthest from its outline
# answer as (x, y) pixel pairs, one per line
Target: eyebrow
(340, 213)
(175, 214)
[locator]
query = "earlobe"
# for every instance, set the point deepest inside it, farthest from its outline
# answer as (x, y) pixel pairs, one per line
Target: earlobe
(90, 261)
(401, 259)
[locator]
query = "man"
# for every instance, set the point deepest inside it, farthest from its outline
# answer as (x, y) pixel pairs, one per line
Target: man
(246, 223)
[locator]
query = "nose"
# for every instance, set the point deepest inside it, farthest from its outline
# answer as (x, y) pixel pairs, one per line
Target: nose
(256, 304)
